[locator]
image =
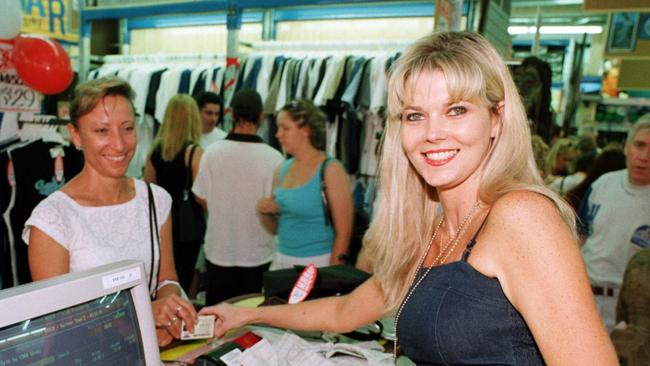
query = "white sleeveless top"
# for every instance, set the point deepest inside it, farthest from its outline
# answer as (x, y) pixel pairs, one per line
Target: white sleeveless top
(94, 236)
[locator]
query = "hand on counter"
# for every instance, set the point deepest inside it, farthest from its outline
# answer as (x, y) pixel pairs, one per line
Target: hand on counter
(164, 337)
(227, 317)
(168, 312)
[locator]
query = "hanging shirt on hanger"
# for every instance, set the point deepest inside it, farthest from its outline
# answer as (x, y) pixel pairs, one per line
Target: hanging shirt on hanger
(40, 168)
(250, 80)
(264, 76)
(169, 82)
(198, 82)
(154, 85)
(184, 82)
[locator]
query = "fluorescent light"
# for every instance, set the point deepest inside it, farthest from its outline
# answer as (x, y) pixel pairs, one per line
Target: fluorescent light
(518, 29)
(556, 29)
(571, 29)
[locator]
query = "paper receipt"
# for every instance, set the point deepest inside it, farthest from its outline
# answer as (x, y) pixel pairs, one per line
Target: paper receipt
(204, 328)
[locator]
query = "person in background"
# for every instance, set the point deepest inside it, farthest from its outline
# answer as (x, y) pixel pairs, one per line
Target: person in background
(210, 109)
(540, 151)
(296, 210)
(607, 161)
(101, 216)
(578, 169)
(477, 258)
(168, 164)
(586, 150)
(615, 221)
(586, 144)
(533, 79)
(610, 81)
(632, 343)
(559, 159)
(614, 145)
(234, 174)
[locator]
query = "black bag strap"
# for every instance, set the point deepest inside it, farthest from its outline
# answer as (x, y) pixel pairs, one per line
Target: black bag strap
(153, 228)
(323, 193)
(188, 171)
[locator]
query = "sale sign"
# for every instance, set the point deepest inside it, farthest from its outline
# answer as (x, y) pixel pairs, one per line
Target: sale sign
(56, 19)
(303, 285)
(15, 96)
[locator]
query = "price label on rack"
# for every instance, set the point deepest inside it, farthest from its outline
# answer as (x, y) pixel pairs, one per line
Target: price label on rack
(18, 98)
(15, 96)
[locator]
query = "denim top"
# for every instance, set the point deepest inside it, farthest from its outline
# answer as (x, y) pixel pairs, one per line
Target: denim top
(458, 316)
(302, 231)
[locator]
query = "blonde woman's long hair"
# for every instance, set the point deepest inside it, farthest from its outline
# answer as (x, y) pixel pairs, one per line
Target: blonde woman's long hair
(181, 125)
(407, 209)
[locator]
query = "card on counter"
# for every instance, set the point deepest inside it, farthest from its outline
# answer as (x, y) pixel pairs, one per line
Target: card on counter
(204, 328)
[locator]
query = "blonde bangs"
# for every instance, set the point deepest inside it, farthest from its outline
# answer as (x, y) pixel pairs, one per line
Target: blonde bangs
(465, 83)
(465, 77)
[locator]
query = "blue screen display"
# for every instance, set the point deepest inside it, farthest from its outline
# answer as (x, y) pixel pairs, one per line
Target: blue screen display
(103, 331)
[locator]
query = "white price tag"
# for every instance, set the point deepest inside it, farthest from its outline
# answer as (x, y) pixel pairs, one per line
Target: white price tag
(120, 278)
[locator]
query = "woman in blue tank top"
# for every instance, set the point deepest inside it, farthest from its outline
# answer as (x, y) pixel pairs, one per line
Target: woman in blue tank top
(297, 211)
(478, 261)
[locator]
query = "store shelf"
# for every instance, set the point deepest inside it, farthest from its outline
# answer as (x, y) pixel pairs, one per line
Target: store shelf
(625, 102)
(613, 127)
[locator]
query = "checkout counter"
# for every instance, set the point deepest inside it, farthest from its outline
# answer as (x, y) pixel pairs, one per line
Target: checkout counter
(264, 346)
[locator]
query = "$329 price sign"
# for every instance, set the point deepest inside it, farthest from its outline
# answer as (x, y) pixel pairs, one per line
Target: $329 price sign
(19, 98)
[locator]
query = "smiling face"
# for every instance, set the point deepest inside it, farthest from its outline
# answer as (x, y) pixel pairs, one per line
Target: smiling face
(637, 154)
(290, 135)
(107, 136)
(446, 141)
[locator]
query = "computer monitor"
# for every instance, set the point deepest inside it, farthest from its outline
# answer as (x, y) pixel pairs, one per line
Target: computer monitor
(97, 317)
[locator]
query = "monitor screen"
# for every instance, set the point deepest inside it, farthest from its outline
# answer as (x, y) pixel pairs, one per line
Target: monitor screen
(96, 317)
(98, 332)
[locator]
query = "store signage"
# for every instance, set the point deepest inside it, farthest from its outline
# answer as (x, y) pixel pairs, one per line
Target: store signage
(52, 18)
(616, 5)
(303, 285)
(15, 96)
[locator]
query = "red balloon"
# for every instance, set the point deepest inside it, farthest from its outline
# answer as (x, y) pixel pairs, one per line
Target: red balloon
(42, 63)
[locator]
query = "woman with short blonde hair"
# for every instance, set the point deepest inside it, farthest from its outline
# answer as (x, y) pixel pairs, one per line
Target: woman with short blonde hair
(102, 216)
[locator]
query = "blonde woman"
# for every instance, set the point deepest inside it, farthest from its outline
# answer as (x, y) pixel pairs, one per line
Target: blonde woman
(559, 161)
(177, 140)
(477, 259)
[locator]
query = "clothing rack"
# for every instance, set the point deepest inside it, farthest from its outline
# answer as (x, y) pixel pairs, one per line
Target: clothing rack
(163, 58)
(338, 46)
(43, 120)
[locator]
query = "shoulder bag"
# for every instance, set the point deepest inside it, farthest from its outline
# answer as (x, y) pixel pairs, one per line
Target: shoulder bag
(359, 225)
(189, 220)
(155, 244)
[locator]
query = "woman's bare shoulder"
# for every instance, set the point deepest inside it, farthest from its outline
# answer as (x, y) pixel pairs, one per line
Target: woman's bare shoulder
(527, 221)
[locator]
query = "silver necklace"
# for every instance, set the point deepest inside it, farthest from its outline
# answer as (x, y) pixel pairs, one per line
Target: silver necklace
(454, 240)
